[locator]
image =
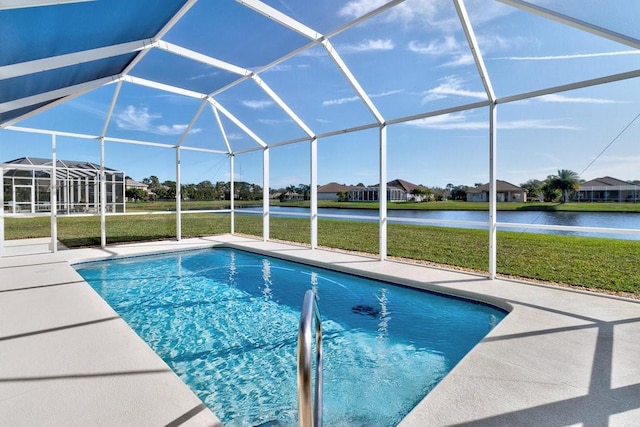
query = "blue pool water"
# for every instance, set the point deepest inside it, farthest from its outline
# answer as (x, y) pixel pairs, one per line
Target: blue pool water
(226, 322)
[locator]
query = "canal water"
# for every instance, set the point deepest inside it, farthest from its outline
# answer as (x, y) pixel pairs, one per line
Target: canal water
(443, 218)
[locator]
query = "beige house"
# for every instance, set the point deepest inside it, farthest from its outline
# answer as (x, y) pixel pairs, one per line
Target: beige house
(132, 183)
(608, 189)
(505, 192)
(398, 190)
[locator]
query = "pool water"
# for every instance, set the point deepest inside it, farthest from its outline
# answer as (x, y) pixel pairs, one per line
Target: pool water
(226, 322)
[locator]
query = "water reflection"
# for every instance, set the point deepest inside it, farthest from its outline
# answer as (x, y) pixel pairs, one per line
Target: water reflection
(383, 324)
(267, 292)
(232, 269)
(314, 284)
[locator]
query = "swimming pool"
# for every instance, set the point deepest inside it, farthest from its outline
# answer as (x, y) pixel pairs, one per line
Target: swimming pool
(226, 322)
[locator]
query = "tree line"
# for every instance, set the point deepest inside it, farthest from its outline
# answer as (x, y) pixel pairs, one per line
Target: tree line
(557, 187)
(205, 190)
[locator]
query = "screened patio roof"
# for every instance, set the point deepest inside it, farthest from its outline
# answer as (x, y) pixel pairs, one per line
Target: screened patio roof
(211, 54)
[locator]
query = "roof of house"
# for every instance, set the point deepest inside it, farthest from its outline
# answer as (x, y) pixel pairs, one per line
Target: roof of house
(334, 187)
(133, 183)
(604, 181)
(401, 183)
(501, 186)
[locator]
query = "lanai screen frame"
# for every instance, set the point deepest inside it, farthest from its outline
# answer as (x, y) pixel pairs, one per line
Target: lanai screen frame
(315, 39)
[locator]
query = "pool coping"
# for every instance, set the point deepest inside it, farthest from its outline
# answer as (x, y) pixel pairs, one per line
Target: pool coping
(560, 357)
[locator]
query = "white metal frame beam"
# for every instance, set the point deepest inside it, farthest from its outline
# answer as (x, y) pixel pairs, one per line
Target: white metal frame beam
(352, 80)
(488, 88)
(237, 122)
(164, 87)
(281, 18)
(19, 4)
(199, 57)
(274, 96)
(574, 22)
(75, 58)
(61, 95)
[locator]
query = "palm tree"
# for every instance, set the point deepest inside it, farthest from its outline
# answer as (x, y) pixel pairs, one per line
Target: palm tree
(566, 181)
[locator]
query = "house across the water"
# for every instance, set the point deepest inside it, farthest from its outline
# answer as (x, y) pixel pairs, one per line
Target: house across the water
(505, 192)
(608, 189)
(398, 190)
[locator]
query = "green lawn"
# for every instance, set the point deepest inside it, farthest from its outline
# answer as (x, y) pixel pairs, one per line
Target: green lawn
(606, 264)
(169, 206)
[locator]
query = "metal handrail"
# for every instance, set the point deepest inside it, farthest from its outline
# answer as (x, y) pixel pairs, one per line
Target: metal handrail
(309, 313)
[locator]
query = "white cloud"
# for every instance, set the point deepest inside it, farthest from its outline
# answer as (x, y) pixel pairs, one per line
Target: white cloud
(256, 104)
(234, 136)
(271, 122)
(140, 119)
(340, 101)
(366, 46)
(535, 124)
(448, 46)
(452, 86)
(621, 167)
(576, 100)
(175, 129)
(445, 46)
(431, 13)
(357, 8)
(460, 60)
(458, 121)
(571, 56)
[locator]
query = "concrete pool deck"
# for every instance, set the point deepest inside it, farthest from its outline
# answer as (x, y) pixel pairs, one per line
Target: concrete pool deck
(561, 357)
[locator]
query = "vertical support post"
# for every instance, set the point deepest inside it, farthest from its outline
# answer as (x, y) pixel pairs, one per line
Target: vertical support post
(178, 198)
(103, 198)
(34, 189)
(54, 195)
(2, 213)
(314, 191)
(265, 194)
(492, 191)
(232, 204)
(124, 192)
(79, 190)
(86, 193)
(382, 193)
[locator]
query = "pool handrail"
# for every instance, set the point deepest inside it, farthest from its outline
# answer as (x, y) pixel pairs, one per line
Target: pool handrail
(310, 415)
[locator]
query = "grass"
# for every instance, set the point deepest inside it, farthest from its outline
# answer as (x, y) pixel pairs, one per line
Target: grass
(597, 263)
(170, 206)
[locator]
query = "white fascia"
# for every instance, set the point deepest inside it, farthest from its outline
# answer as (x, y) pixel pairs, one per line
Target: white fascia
(352, 80)
(163, 87)
(574, 22)
(572, 86)
(281, 18)
(274, 96)
(199, 57)
(69, 59)
(237, 122)
(475, 50)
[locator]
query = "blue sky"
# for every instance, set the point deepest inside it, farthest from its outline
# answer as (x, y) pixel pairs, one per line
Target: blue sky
(411, 59)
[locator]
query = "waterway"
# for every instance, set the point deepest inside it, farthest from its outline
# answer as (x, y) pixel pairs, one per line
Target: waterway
(450, 219)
